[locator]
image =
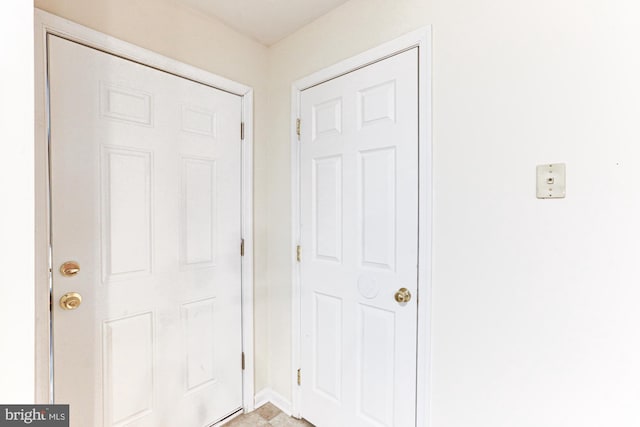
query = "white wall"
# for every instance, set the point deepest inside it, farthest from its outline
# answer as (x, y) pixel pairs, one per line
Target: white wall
(535, 302)
(16, 203)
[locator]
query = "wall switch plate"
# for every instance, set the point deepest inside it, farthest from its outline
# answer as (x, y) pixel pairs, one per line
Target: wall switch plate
(550, 181)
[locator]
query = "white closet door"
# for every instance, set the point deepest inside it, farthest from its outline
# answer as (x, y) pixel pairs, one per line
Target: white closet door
(359, 238)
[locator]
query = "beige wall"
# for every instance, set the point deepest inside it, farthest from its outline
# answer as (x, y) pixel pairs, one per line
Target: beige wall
(534, 301)
(191, 37)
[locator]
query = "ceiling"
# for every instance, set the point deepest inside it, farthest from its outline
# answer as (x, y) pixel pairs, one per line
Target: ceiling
(266, 21)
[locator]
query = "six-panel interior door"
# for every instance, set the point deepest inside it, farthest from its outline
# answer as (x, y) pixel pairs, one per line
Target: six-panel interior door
(145, 197)
(359, 238)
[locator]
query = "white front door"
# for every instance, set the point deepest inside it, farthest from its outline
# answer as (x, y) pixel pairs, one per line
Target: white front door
(359, 240)
(145, 198)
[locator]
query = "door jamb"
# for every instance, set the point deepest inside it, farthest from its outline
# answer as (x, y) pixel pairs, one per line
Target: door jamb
(420, 38)
(46, 23)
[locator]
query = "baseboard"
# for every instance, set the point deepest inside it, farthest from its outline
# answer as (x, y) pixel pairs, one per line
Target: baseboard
(267, 395)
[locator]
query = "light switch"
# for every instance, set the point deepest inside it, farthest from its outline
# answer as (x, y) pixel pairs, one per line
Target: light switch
(550, 181)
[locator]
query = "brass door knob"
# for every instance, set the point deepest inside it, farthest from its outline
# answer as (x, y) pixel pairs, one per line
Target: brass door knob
(69, 269)
(70, 301)
(403, 295)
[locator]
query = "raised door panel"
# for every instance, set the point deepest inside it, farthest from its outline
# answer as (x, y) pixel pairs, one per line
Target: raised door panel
(327, 208)
(376, 365)
(199, 208)
(126, 213)
(328, 346)
(201, 340)
(199, 121)
(126, 104)
(326, 119)
(378, 207)
(377, 104)
(128, 369)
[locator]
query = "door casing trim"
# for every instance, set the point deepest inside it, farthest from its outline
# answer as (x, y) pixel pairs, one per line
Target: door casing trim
(46, 23)
(420, 38)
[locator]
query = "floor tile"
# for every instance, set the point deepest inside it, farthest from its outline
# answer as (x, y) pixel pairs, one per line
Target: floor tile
(267, 415)
(248, 420)
(283, 420)
(268, 411)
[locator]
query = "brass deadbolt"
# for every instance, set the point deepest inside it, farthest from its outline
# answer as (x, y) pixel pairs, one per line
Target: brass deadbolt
(70, 301)
(69, 269)
(403, 295)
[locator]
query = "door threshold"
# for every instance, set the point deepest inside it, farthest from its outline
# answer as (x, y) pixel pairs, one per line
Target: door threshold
(228, 418)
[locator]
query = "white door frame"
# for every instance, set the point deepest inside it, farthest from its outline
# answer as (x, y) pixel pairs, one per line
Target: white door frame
(46, 23)
(420, 38)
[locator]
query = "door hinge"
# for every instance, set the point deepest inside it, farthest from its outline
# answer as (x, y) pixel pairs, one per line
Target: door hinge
(243, 360)
(299, 377)
(298, 128)
(298, 253)
(242, 247)
(242, 131)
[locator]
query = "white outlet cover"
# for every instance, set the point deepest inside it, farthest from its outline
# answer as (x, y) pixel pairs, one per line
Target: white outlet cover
(551, 181)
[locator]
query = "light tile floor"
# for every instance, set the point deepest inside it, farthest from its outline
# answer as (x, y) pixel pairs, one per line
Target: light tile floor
(267, 415)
